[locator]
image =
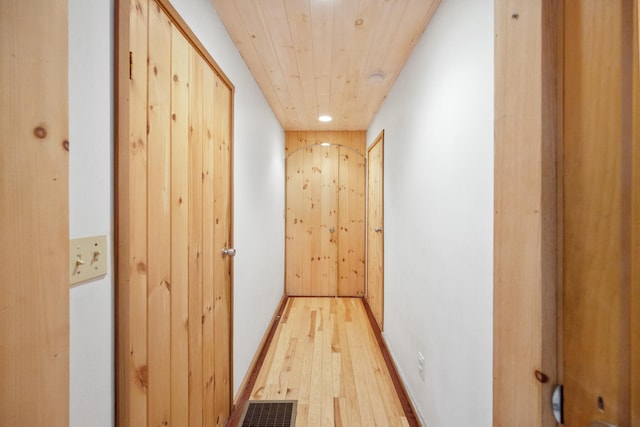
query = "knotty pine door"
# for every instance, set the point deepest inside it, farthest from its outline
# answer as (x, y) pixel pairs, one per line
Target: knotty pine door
(325, 221)
(600, 358)
(174, 218)
(375, 229)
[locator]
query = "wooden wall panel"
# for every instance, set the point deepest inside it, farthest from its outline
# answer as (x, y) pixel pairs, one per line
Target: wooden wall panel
(34, 214)
(525, 211)
(174, 313)
(324, 192)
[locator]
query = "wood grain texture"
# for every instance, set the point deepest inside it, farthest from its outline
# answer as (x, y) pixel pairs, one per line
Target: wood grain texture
(311, 58)
(600, 109)
(180, 66)
(635, 230)
(222, 223)
(295, 140)
(525, 211)
(351, 223)
(159, 217)
(375, 222)
(195, 241)
(325, 355)
(174, 315)
(324, 192)
(34, 214)
(208, 251)
(132, 216)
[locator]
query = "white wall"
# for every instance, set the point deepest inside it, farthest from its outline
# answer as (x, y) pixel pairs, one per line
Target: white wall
(438, 122)
(91, 208)
(259, 199)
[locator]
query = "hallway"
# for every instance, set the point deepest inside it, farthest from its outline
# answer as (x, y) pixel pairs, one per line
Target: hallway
(325, 355)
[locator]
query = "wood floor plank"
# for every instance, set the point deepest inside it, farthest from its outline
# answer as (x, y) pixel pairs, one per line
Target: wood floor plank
(326, 357)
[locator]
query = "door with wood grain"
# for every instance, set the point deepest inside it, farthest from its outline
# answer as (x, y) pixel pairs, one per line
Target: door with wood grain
(325, 226)
(600, 185)
(375, 229)
(174, 215)
(312, 221)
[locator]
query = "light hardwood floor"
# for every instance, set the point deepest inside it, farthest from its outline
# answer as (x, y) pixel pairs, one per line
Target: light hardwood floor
(324, 354)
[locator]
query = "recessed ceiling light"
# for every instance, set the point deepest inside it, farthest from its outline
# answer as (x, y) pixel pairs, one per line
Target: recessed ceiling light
(325, 118)
(325, 144)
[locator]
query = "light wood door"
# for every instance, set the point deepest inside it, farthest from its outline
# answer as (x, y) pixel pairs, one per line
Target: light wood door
(601, 214)
(312, 221)
(174, 219)
(34, 214)
(375, 229)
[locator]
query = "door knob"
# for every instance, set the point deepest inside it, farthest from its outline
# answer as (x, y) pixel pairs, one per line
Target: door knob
(332, 230)
(229, 251)
(378, 230)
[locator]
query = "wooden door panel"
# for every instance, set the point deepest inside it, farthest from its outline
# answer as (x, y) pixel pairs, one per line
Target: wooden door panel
(195, 240)
(159, 217)
(208, 254)
(174, 217)
(597, 219)
(351, 229)
(322, 205)
(312, 212)
(222, 238)
(180, 65)
(375, 230)
(132, 216)
(325, 190)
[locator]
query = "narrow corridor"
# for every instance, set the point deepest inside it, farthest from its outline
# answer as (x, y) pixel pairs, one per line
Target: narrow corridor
(325, 355)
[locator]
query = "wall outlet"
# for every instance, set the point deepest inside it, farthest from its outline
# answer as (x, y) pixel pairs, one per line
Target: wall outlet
(421, 365)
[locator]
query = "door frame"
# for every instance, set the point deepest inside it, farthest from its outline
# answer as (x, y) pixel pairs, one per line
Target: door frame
(123, 185)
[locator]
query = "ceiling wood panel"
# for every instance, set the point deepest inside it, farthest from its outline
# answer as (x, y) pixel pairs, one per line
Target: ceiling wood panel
(313, 57)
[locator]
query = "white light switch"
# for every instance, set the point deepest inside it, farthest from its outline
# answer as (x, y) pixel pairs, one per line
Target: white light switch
(87, 258)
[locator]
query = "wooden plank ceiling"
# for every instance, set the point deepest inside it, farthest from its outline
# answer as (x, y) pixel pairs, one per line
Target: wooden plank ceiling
(325, 57)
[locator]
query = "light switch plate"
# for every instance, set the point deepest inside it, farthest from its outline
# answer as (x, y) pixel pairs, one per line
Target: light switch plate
(87, 258)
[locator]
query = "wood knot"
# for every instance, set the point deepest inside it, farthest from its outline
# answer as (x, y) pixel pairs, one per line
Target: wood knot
(515, 16)
(175, 77)
(40, 132)
(173, 117)
(541, 377)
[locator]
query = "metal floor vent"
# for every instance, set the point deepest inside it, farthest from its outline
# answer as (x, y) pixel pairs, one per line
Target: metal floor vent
(269, 413)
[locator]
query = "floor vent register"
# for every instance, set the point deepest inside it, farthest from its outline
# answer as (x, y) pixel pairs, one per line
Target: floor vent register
(269, 413)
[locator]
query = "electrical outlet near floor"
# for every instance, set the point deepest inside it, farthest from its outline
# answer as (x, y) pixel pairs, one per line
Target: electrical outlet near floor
(421, 365)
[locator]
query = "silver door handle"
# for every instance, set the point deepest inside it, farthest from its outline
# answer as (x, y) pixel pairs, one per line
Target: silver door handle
(229, 251)
(378, 230)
